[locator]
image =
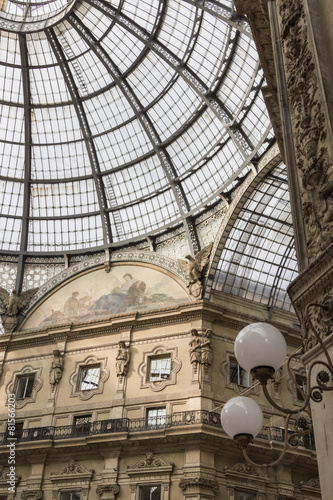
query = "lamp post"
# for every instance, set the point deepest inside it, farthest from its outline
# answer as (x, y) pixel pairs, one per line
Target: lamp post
(260, 348)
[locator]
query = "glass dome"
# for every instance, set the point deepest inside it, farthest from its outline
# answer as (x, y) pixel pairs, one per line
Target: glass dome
(122, 119)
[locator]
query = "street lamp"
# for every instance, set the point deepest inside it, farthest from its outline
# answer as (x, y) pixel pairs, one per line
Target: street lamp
(260, 348)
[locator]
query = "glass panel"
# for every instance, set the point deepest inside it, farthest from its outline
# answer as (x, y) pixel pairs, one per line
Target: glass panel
(159, 368)
(150, 492)
(89, 378)
(156, 417)
(243, 495)
(70, 495)
(237, 374)
(24, 386)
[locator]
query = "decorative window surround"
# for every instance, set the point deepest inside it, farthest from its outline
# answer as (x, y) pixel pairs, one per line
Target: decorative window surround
(4, 478)
(75, 377)
(253, 388)
(38, 383)
(243, 476)
(143, 368)
(299, 374)
(151, 470)
(71, 477)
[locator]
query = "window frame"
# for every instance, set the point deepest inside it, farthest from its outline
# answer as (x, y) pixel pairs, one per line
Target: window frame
(156, 359)
(80, 380)
(71, 493)
(28, 377)
(144, 368)
(240, 372)
(140, 488)
(156, 425)
(36, 386)
(75, 377)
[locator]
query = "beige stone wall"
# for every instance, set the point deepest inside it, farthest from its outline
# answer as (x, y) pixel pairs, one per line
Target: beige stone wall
(194, 460)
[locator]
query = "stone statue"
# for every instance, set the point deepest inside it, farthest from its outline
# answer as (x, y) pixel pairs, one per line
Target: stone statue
(12, 305)
(206, 350)
(193, 268)
(57, 367)
(122, 358)
(195, 349)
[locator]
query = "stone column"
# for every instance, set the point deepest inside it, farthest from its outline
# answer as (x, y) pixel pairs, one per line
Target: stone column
(297, 35)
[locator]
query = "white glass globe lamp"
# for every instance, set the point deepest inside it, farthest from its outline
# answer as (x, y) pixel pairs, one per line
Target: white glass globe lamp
(242, 419)
(260, 349)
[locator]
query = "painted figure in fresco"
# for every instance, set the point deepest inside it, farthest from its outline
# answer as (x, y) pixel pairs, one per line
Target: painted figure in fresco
(72, 306)
(128, 295)
(122, 358)
(206, 350)
(57, 367)
(195, 349)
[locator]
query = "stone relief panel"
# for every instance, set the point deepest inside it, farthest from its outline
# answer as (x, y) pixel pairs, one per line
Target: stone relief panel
(314, 161)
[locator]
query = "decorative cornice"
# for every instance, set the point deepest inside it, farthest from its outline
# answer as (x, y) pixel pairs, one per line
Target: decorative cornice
(245, 469)
(198, 481)
(35, 494)
(108, 488)
(72, 469)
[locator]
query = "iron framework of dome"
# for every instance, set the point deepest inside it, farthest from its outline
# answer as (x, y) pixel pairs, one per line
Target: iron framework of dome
(121, 121)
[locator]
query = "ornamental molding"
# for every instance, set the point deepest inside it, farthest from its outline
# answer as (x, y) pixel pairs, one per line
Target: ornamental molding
(246, 471)
(97, 261)
(37, 385)
(72, 470)
(315, 285)
(150, 468)
(311, 488)
(5, 477)
(107, 488)
(199, 481)
(84, 395)
(309, 123)
(33, 494)
(143, 369)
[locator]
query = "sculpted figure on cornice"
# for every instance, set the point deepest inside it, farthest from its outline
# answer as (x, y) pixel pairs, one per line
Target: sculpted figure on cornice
(11, 306)
(57, 367)
(122, 359)
(193, 269)
(310, 130)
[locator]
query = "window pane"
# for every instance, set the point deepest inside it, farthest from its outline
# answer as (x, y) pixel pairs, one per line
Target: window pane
(159, 368)
(89, 378)
(243, 495)
(156, 417)
(238, 375)
(24, 386)
(150, 492)
(70, 495)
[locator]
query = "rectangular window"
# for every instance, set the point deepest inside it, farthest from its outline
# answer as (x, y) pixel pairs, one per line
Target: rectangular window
(82, 424)
(89, 377)
(24, 386)
(238, 375)
(159, 368)
(244, 495)
(150, 492)
(302, 383)
(156, 417)
(70, 495)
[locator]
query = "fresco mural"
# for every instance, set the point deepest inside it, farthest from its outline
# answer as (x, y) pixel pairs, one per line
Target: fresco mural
(99, 294)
